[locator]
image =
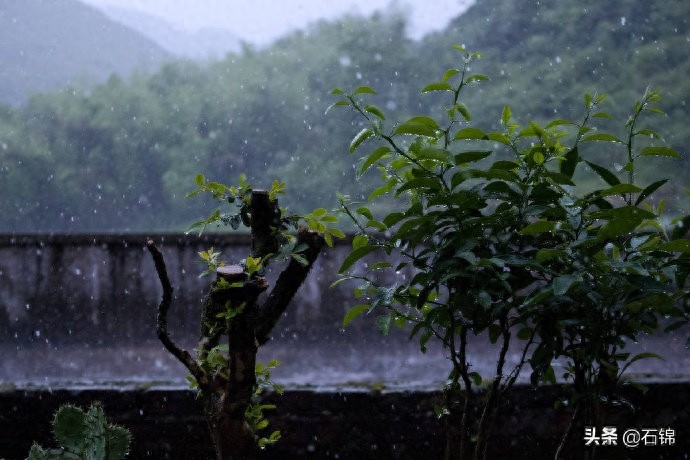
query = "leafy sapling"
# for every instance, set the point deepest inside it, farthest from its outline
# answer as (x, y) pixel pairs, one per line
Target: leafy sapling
(235, 321)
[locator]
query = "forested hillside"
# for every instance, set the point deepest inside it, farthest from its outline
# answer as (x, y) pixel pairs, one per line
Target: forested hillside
(123, 156)
(44, 44)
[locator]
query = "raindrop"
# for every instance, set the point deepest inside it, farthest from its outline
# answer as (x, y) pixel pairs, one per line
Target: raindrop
(622, 20)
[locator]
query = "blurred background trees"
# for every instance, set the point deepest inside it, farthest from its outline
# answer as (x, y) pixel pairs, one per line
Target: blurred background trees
(120, 156)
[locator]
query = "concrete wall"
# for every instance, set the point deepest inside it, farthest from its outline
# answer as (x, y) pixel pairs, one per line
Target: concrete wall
(104, 289)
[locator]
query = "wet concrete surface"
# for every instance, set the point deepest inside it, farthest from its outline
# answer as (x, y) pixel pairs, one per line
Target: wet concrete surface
(339, 361)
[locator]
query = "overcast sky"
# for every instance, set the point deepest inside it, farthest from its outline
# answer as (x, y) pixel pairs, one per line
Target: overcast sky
(261, 21)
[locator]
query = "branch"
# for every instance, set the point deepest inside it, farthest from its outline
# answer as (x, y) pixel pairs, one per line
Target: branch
(287, 285)
(162, 319)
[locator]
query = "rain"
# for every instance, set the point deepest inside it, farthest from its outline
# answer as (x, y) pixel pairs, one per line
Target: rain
(109, 109)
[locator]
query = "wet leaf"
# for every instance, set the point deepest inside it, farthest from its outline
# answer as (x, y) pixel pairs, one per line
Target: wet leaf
(421, 126)
(362, 136)
(353, 313)
(660, 151)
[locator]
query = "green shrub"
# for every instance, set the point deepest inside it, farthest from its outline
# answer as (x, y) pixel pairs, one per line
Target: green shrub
(503, 244)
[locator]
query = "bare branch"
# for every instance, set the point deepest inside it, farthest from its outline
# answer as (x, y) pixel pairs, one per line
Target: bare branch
(289, 281)
(162, 319)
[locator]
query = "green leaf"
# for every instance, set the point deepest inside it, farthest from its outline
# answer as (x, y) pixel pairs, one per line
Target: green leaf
(364, 90)
(559, 178)
(421, 126)
(602, 115)
(463, 111)
(437, 154)
(609, 177)
(659, 151)
(645, 355)
(200, 180)
(470, 133)
(375, 111)
(618, 227)
(506, 115)
(538, 157)
(428, 183)
(559, 122)
(448, 74)
(505, 165)
(439, 86)
(549, 254)
(359, 240)
(498, 137)
(619, 189)
(382, 190)
(602, 137)
(525, 333)
(300, 259)
(539, 226)
(393, 218)
(336, 104)
(361, 136)
(376, 224)
(680, 245)
(469, 157)
(335, 232)
(569, 162)
(476, 77)
(375, 156)
(494, 331)
(355, 255)
(380, 265)
(476, 378)
(640, 356)
(651, 188)
(318, 212)
(563, 283)
(648, 132)
(365, 212)
(534, 130)
(353, 313)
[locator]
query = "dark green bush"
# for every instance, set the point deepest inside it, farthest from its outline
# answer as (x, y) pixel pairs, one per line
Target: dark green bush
(503, 244)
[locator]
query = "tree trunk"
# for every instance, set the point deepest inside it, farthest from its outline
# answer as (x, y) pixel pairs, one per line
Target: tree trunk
(231, 386)
(226, 377)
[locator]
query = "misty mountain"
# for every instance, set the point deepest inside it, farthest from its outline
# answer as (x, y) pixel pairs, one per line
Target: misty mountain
(200, 45)
(46, 45)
